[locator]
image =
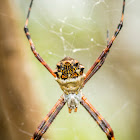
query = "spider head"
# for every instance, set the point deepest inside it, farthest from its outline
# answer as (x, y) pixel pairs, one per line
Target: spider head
(68, 68)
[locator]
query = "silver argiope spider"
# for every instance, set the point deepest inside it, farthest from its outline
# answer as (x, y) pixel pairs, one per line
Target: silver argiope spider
(69, 73)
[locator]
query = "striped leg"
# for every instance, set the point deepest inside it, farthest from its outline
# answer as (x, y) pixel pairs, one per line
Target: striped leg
(48, 119)
(98, 118)
(31, 42)
(100, 60)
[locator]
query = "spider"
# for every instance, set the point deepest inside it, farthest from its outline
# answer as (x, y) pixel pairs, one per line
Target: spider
(69, 74)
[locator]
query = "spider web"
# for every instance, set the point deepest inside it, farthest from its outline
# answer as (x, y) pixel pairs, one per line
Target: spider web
(78, 28)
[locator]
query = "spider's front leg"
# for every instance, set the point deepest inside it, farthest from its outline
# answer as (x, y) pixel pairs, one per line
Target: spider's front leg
(98, 118)
(101, 59)
(45, 124)
(26, 30)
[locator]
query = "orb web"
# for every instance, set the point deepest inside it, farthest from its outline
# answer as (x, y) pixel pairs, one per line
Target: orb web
(78, 28)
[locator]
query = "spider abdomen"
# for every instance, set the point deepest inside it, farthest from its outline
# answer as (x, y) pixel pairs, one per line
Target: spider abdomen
(70, 75)
(71, 78)
(72, 91)
(72, 85)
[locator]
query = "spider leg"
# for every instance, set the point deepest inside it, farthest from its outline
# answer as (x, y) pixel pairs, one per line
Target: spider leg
(100, 60)
(103, 124)
(42, 128)
(32, 44)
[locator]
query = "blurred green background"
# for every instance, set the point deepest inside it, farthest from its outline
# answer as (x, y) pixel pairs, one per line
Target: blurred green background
(77, 28)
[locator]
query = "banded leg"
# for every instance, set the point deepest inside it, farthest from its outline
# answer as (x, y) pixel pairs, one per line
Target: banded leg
(100, 60)
(49, 118)
(98, 118)
(32, 44)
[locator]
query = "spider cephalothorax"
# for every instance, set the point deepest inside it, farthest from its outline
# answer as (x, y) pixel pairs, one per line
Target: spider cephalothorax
(71, 78)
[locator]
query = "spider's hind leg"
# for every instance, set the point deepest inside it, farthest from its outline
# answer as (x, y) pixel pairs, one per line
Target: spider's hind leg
(45, 124)
(103, 124)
